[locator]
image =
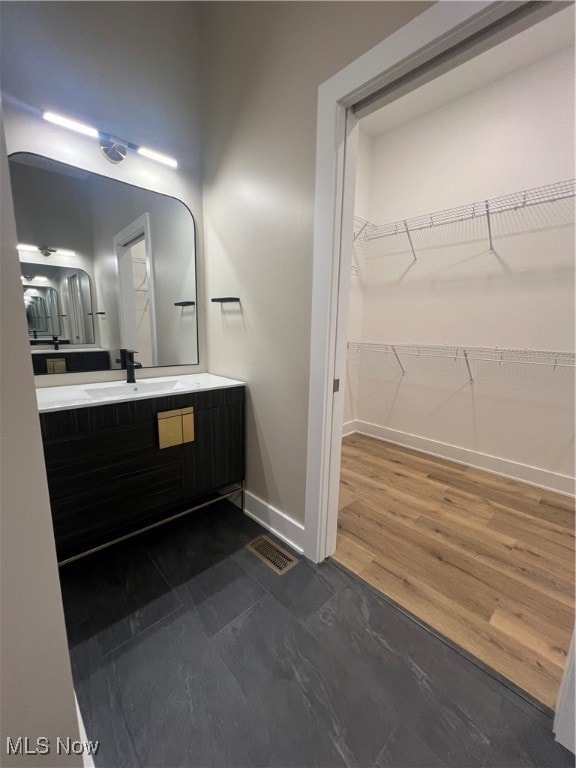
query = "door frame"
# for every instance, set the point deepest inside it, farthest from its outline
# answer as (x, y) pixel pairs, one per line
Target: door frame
(441, 37)
(134, 232)
(76, 316)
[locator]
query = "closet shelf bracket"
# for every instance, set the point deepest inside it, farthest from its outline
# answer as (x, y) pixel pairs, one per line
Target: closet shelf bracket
(397, 358)
(468, 366)
(489, 223)
(359, 232)
(411, 243)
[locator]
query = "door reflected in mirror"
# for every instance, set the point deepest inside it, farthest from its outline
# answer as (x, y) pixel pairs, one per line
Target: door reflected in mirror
(77, 285)
(40, 318)
(58, 303)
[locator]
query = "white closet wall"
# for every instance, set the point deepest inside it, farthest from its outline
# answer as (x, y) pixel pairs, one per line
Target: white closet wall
(517, 419)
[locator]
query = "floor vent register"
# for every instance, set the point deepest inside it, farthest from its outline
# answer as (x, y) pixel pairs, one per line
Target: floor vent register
(270, 553)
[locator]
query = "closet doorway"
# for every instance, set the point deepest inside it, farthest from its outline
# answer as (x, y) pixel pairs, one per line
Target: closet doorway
(456, 485)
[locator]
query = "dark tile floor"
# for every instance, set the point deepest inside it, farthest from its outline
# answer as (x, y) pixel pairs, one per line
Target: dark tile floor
(188, 651)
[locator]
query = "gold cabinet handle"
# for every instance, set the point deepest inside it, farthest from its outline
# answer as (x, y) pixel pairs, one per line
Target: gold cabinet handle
(175, 427)
(56, 365)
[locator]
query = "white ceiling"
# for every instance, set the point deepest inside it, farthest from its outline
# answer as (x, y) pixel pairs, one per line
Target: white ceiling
(538, 42)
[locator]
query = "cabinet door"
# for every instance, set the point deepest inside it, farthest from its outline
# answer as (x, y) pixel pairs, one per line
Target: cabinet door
(216, 457)
(106, 484)
(108, 477)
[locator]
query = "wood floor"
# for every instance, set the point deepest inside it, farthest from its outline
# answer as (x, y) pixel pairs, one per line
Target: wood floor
(487, 561)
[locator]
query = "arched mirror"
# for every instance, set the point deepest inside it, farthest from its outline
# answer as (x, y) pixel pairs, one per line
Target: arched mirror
(105, 265)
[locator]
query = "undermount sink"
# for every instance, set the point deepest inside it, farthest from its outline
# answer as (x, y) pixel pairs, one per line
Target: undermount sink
(106, 393)
(129, 390)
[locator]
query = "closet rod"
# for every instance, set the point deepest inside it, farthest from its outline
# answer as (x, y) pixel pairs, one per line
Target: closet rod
(548, 193)
(480, 354)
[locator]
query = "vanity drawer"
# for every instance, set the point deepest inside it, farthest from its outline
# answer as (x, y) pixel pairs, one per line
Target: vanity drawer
(65, 424)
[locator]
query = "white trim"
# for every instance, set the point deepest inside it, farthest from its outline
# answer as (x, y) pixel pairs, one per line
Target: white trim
(87, 760)
(564, 716)
(122, 241)
(433, 32)
(543, 478)
(275, 521)
(349, 428)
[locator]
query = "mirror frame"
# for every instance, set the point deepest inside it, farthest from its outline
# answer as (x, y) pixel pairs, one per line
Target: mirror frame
(13, 157)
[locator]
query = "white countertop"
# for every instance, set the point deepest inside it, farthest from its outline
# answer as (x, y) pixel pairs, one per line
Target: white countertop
(107, 392)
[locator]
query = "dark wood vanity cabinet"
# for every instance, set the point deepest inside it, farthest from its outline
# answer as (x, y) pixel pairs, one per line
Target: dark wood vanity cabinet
(70, 362)
(108, 477)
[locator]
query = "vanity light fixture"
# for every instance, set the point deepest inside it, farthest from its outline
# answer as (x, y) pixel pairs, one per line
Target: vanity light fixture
(45, 250)
(73, 125)
(25, 247)
(64, 252)
(113, 149)
(157, 156)
(31, 278)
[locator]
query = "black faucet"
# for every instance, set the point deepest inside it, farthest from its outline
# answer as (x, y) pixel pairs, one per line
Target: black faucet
(55, 341)
(127, 361)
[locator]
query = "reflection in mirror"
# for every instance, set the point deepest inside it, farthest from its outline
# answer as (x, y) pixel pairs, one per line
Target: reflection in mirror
(74, 225)
(58, 303)
(36, 301)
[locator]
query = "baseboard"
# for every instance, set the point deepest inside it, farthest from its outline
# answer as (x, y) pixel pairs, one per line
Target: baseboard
(564, 715)
(275, 521)
(349, 428)
(543, 478)
(87, 759)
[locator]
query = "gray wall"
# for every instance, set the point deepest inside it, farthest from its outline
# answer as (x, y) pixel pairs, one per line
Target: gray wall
(36, 695)
(262, 65)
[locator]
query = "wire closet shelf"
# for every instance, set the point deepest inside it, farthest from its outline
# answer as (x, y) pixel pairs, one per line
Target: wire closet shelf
(549, 193)
(469, 354)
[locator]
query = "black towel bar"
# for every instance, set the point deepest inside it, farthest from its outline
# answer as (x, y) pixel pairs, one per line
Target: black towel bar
(226, 299)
